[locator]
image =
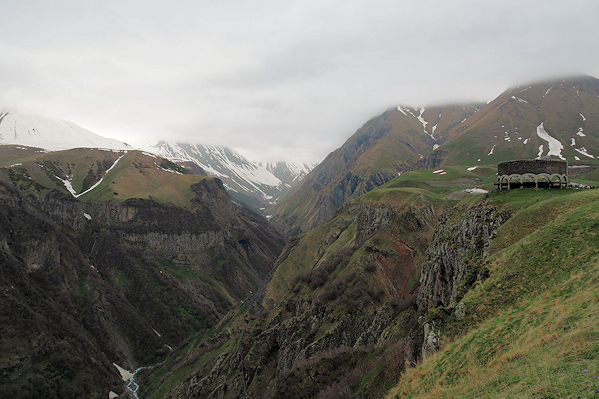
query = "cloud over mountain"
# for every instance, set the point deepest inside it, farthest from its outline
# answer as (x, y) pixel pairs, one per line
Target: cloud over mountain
(271, 78)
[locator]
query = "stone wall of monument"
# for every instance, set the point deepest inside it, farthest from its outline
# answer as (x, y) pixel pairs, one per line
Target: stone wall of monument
(535, 166)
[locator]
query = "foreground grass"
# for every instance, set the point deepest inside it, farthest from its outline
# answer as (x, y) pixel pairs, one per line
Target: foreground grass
(539, 349)
(531, 330)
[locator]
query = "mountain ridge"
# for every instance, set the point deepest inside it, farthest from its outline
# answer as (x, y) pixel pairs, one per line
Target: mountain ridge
(384, 147)
(554, 117)
(257, 184)
(252, 183)
(560, 115)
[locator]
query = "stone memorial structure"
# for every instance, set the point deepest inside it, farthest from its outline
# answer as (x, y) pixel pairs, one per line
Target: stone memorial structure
(533, 173)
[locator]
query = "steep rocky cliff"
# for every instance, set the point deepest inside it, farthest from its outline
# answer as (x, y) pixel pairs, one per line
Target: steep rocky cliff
(454, 258)
(528, 328)
(454, 262)
(83, 285)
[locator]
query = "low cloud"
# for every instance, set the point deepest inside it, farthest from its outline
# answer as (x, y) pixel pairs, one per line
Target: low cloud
(278, 80)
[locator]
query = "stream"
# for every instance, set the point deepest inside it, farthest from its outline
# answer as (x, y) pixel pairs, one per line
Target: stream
(129, 378)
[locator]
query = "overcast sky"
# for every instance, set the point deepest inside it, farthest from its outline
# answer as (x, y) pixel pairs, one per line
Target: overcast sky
(277, 80)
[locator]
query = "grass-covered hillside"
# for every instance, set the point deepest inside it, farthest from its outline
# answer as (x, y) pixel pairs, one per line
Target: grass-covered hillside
(333, 316)
(530, 329)
(96, 175)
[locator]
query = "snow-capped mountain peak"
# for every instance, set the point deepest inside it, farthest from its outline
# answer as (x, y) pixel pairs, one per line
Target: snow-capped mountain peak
(242, 177)
(50, 134)
(288, 172)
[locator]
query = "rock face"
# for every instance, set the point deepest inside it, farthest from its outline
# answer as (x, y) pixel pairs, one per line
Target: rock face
(453, 263)
(459, 246)
(285, 344)
(431, 340)
(83, 285)
(460, 311)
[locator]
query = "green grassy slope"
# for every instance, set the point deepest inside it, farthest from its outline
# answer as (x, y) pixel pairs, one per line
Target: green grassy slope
(531, 328)
(356, 263)
(138, 175)
(122, 174)
(417, 189)
(506, 128)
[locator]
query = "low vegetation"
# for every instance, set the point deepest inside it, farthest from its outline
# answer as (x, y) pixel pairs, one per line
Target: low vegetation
(530, 328)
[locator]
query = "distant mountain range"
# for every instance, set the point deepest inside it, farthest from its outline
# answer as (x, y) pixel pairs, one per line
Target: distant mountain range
(259, 185)
(556, 118)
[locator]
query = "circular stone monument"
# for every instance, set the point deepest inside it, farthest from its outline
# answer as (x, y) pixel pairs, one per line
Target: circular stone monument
(532, 173)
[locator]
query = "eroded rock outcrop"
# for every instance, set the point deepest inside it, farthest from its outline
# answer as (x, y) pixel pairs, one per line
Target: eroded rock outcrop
(460, 245)
(284, 344)
(454, 261)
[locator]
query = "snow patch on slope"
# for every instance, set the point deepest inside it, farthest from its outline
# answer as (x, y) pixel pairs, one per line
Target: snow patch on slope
(584, 152)
(424, 123)
(519, 100)
(405, 111)
(68, 185)
(555, 146)
(67, 182)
